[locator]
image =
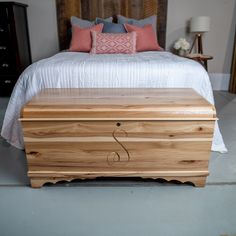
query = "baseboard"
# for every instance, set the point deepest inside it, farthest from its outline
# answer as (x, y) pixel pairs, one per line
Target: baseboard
(219, 81)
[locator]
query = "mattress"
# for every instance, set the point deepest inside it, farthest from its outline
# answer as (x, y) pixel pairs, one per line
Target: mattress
(83, 70)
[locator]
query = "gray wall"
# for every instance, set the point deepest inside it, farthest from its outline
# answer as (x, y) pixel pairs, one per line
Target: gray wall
(218, 42)
(42, 27)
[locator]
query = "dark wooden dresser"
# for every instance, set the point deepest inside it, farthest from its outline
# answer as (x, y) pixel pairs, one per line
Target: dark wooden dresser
(15, 53)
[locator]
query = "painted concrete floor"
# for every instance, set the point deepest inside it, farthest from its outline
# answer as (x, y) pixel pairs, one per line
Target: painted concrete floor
(122, 207)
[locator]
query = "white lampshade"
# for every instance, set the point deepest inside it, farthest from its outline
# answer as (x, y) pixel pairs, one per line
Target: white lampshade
(200, 24)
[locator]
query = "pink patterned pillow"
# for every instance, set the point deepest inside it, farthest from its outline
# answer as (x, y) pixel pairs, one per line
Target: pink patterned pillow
(107, 43)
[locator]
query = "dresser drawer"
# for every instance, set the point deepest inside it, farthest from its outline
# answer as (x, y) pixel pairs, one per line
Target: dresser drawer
(7, 84)
(4, 35)
(5, 52)
(7, 67)
(4, 17)
(4, 27)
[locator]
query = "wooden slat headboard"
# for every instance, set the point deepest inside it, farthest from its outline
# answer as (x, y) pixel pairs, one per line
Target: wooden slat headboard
(90, 9)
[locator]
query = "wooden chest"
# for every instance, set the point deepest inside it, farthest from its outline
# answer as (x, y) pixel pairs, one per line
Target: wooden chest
(88, 133)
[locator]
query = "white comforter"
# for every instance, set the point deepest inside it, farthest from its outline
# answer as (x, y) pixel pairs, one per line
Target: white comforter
(82, 70)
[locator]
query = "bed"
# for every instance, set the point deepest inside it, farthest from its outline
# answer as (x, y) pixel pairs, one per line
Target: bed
(83, 70)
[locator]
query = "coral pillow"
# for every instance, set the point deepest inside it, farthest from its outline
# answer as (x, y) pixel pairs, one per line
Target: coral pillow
(146, 38)
(81, 38)
(107, 43)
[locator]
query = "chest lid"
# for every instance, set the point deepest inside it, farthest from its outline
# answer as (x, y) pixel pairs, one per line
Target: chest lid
(118, 104)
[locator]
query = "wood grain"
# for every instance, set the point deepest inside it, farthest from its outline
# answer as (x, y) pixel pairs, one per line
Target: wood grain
(90, 155)
(147, 129)
(119, 104)
(177, 147)
(90, 9)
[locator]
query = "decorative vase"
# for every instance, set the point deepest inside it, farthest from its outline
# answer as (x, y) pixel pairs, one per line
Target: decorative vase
(182, 52)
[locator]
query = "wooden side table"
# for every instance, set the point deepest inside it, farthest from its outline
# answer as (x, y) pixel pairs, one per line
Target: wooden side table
(202, 59)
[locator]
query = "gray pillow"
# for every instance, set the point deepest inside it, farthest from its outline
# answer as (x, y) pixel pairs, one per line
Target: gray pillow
(151, 20)
(85, 23)
(109, 27)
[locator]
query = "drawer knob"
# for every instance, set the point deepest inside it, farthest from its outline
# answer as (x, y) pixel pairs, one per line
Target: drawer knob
(118, 124)
(7, 81)
(3, 48)
(5, 65)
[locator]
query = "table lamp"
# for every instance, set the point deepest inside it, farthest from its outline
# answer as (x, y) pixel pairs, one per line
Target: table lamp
(199, 25)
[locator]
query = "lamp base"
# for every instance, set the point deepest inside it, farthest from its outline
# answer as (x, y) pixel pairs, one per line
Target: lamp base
(198, 40)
